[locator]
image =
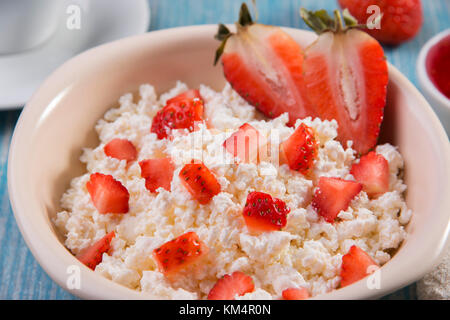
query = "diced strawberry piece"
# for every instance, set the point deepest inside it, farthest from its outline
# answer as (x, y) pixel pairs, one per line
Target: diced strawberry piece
(179, 253)
(300, 149)
(93, 255)
(334, 195)
(121, 149)
(157, 173)
(199, 181)
(247, 144)
(372, 171)
(264, 213)
(230, 286)
(356, 265)
(346, 78)
(108, 194)
(295, 294)
(264, 65)
(180, 112)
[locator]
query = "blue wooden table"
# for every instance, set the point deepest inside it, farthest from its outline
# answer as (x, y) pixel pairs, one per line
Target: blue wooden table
(21, 277)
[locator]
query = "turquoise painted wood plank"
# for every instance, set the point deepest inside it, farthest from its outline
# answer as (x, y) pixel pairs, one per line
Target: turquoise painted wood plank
(20, 275)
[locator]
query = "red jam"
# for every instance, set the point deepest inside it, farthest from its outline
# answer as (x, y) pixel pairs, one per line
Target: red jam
(438, 65)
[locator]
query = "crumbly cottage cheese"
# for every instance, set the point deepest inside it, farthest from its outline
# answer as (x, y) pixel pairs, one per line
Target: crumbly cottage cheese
(307, 252)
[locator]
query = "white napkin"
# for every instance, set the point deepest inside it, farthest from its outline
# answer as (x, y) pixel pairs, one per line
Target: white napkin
(436, 284)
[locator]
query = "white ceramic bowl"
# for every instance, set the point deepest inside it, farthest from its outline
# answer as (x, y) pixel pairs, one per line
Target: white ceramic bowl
(59, 120)
(438, 101)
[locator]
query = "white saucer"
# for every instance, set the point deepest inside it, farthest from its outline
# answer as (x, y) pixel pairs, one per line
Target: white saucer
(101, 21)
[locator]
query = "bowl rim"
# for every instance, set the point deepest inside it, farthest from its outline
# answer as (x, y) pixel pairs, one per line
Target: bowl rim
(55, 261)
(422, 74)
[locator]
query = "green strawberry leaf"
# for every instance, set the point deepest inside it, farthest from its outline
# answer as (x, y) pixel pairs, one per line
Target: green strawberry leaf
(244, 16)
(320, 21)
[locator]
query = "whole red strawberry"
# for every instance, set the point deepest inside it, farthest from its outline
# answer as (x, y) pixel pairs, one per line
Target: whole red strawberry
(401, 19)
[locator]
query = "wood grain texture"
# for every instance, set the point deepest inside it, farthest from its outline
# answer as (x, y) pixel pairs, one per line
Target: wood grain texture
(20, 275)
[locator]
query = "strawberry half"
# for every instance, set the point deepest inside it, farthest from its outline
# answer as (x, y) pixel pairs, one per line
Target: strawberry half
(264, 213)
(93, 255)
(121, 149)
(300, 149)
(246, 144)
(334, 195)
(264, 65)
(230, 286)
(346, 78)
(372, 171)
(179, 253)
(157, 173)
(295, 294)
(108, 194)
(356, 265)
(199, 181)
(180, 112)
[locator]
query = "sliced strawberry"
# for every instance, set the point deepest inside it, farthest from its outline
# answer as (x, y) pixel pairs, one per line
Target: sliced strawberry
(180, 112)
(108, 194)
(264, 213)
(356, 265)
(199, 181)
(401, 19)
(264, 65)
(157, 173)
(372, 171)
(300, 149)
(93, 255)
(346, 78)
(121, 149)
(179, 253)
(230, 286)
(334, 195)
(247, 144)
(295, 294)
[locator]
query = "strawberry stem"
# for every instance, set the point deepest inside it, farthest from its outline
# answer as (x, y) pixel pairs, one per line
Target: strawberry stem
(320, 22)
(350, 21)
(338, 18)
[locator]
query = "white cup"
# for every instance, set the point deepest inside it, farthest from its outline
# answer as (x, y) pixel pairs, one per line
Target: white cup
(25, 24)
